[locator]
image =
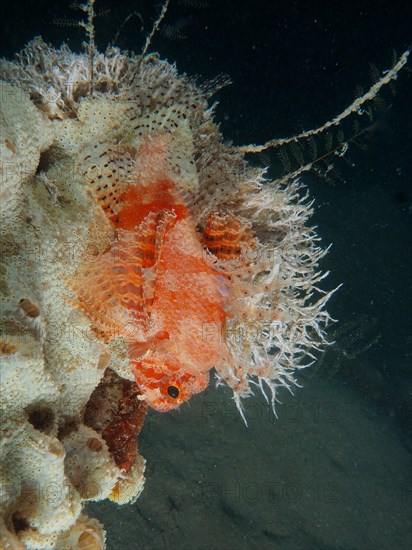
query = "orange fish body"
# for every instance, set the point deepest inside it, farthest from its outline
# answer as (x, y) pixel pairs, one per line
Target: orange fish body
(156, 288)
(186, 317)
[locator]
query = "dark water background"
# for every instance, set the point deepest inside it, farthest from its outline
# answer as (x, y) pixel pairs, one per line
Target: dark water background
(334, 470)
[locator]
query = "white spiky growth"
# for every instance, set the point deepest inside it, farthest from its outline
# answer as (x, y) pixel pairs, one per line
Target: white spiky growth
(281, 317)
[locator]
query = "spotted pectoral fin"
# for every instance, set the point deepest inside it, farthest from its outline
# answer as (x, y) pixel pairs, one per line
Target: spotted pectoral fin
(106, 171)
(227, 236)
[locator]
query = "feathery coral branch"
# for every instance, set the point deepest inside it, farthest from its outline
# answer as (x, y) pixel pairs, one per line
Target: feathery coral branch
(355, 107)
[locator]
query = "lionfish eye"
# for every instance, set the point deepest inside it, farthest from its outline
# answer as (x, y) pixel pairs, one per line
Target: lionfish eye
(173, 391)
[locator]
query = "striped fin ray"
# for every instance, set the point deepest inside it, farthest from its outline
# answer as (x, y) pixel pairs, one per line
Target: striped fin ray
(226, 236)
(111, 289)
(115, 291)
